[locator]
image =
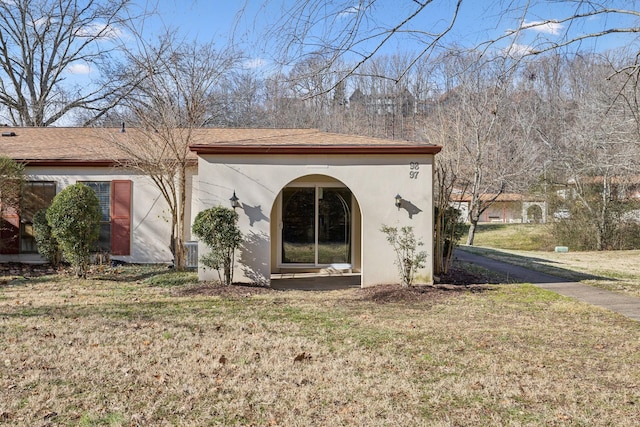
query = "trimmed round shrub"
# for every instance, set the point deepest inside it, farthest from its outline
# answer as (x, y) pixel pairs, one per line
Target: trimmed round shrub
(47, 245)
(217, 228)
(74, 217)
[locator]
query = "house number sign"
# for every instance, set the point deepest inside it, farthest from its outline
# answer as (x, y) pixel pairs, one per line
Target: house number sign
(414, 170)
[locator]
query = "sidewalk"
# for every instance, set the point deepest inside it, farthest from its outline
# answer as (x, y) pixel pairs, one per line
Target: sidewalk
(626, 305)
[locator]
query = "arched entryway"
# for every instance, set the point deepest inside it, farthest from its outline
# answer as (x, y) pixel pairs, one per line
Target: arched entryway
(534, 212)
(316, 232)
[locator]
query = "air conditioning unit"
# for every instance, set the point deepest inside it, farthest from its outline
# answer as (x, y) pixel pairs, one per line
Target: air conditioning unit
(191, 254)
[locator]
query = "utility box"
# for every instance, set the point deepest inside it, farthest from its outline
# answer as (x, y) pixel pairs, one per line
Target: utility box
(191, 254)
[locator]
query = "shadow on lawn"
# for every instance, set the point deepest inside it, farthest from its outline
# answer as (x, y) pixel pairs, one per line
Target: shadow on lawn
(520, 268)
(425, 294)
(130, 272)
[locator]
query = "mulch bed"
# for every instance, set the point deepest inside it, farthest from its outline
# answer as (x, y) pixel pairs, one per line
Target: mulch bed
(455, 282)
(25, 270)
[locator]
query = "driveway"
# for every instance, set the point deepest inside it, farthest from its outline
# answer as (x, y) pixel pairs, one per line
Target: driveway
(626, 305)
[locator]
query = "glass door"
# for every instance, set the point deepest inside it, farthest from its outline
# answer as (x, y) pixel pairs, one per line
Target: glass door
(298, 225)
(334, 225)
(316, 225)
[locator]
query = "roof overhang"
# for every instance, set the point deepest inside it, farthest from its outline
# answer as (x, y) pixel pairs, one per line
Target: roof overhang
(301, 149)
(68, 162)
(83, 163)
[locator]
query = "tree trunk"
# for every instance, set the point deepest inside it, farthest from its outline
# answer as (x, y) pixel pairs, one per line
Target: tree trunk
(472, 232)
(179, 249)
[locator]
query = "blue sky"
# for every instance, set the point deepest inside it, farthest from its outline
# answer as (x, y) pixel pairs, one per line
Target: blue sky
(479, 20)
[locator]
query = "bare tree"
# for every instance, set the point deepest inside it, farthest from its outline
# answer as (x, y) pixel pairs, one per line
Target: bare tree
(167, 110)
(335, 29)
(43, 40)
(357, 32)
(599, 154)
(239, 102)
(486, 129)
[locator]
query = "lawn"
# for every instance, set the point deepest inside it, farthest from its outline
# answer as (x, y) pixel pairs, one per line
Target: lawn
(531, 246)
(135, 348)
(617, 271)
(524, 237)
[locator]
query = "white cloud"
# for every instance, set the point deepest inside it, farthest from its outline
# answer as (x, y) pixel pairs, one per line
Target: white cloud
(548, 27)
(101, 30)
(79, 69)
(254, 63)
(41, 21)
(516, 50)
(349, 11)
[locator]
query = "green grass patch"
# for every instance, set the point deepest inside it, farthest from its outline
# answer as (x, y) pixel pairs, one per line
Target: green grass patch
(109, 419)
(524, 237)
(172, 278)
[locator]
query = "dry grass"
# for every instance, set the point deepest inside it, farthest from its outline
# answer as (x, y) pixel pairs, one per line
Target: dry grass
(127, 352)
(613, 270)
(523, 237)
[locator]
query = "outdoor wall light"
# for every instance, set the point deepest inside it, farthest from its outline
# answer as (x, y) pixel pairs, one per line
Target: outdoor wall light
(234, 200)
(398, 201)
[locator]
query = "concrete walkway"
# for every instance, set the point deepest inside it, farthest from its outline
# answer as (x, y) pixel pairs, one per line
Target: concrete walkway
(314, 282)
(626, 305)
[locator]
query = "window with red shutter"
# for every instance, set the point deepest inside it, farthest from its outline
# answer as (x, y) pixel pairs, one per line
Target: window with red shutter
(121, 217)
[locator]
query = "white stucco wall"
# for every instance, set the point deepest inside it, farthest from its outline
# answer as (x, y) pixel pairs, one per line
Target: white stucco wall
(373, 179)
(150, 226)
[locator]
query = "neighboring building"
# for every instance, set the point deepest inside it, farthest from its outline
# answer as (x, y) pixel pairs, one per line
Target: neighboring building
(506, 208)
(308, 200)
(135, 225)
(400, 103)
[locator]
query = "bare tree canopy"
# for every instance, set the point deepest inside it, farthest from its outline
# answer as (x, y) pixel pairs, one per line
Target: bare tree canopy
(42, 41)
(178, 83)
(356, 32)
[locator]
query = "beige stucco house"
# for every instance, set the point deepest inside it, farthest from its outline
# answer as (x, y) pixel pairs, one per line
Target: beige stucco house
(308, 201)
(506, 208)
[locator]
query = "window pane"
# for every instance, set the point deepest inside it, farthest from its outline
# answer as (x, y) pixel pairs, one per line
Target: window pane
(298, 225)
(103, 191)
(104, 242)
(36, 195)
(334, 226)
(27, 239)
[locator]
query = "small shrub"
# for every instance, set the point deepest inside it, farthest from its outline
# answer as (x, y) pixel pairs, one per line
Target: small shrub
(217, 228)
(47, 245)
(449, 228)
(74, 217)
(11, 181)
(405, 245)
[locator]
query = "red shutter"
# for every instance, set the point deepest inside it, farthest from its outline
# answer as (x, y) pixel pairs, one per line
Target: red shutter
(121, 217)
(10, 232)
